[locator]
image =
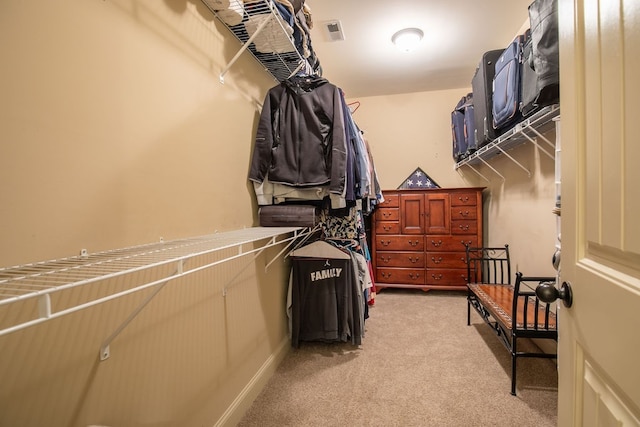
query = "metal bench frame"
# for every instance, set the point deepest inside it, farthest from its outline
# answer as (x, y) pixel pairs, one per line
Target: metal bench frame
(512, 311)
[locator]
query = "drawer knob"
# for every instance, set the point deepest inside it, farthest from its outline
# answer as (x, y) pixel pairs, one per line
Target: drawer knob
(385, 275)
(436, 276)
(414, 276)
(385, 242)
(413, 243)
(437, 261)
(464, 227)
(463, 199)
(465, 213)
(386, 227)
(436, 244)
(414, 260)
(382, 258)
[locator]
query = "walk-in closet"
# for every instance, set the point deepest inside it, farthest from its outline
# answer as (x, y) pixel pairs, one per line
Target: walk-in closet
(258, 212)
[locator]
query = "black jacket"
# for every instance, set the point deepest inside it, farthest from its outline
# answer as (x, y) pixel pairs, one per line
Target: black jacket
(301, 140)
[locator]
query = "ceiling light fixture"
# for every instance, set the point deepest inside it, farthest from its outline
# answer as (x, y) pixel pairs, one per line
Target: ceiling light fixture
(407, 39)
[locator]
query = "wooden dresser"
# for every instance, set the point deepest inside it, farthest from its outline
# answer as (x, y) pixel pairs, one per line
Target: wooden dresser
(419, 237)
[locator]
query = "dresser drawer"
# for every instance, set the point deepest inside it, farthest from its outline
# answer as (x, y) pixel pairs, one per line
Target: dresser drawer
(390, 201)
(402, 276)
(400, 243)
(446, 277)
(464, 227)
(387, 227)
(463, 212)
(464, 199)
(447, 260)
(450, 243)
(400, 259)
(387, 214)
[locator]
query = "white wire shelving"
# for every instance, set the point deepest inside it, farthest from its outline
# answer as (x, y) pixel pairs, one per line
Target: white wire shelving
(39, 281)
(531, 129)
(278, 54)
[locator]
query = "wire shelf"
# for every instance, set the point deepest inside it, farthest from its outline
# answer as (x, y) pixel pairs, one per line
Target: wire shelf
(267, 37)
(40, 280)
(526, 130)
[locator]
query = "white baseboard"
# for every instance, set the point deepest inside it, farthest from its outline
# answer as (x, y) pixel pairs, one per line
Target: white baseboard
(243, 401)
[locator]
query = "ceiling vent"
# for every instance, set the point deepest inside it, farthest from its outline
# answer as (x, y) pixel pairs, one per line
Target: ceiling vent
(334, 31)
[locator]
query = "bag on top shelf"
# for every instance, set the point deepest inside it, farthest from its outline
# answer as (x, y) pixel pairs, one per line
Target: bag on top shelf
(506, 86)
(482, 87)
(462, 125)
(541, 59)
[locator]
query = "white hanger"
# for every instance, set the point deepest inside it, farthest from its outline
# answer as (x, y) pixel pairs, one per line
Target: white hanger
(320, 249)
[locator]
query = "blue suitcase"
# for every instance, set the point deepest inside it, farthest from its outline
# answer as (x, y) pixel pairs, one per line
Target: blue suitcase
(458, 134)
(506, 87)
(470, 127)
(482, 84)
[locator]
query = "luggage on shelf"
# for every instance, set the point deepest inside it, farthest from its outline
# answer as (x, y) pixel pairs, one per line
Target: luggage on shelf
(459, 119)
(529, 79)
(482, 87)
(506, 87)
(293, 215)
(544, 57)
(470, 126)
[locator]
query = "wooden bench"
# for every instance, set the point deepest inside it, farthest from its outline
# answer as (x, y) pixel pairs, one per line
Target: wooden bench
(512, 311)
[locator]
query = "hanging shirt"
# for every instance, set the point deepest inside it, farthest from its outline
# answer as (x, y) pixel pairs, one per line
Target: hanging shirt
(324, 301)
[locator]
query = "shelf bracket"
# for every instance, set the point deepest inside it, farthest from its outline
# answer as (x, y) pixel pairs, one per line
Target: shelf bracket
(44, 306)
(534, 142)
(492, 168)
(305, 233)
(105, 351)
(541, 136)
(513, 160)
(478, 172)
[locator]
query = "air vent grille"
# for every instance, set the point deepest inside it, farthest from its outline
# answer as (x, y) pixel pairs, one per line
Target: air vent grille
(334, 30)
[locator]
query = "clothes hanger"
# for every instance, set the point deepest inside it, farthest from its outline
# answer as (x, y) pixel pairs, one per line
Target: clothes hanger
(320, 249)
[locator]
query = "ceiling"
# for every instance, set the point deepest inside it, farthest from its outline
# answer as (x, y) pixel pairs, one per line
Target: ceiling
(457, 33)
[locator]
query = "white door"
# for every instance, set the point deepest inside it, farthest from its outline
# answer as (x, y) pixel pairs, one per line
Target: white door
(599, 336)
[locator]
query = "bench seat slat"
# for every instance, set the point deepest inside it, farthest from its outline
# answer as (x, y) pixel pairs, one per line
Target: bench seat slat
(498, 299)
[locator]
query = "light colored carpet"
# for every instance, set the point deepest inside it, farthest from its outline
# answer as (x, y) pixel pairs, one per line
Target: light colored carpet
(419, 365)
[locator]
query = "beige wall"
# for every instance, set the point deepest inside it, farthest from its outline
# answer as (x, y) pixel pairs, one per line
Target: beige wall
(414, 130)
(116, 132)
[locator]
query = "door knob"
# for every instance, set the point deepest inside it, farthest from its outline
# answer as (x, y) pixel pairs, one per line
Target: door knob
(548, 293)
